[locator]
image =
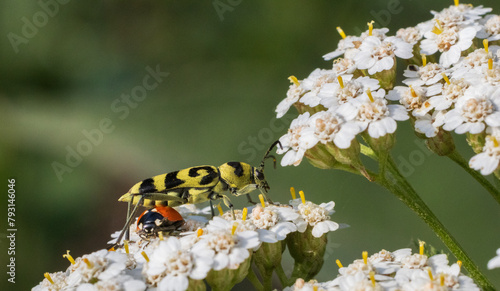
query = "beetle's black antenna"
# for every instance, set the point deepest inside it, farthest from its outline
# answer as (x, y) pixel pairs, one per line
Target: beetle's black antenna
(267, 155)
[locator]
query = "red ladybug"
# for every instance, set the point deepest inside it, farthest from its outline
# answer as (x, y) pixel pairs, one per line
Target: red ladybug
(159, 219)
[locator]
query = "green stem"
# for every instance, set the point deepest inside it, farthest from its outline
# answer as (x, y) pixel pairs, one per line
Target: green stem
(458, 159)
(268, 282)
(254, 280)
(398, 185)
(285, 281)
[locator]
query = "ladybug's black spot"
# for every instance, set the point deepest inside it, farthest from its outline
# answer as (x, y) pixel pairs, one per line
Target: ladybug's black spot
(172, 181)
(238, 169)
(147, 186)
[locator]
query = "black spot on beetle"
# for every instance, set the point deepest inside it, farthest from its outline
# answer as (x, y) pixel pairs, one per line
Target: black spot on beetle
(172, 181)
(209, 176)
(238, 169)
(194, 171)
(147, 186)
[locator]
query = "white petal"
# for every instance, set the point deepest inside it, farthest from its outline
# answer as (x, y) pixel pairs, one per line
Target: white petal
(134, 285)
(450, 57)
(237, 256)
(493, 119)
(248, 239)
(266, 236)
(220, 261)
(398, 112)
(323, 227)
(428, 47)
(282, 229)
(484, 163)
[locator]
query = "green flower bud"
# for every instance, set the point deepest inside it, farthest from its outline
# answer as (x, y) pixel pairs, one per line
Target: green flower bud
(225, 279)
(349, 157)
(319, 157)
(476, 141)
(196, 285)
(387, 77)
(441, 144)
(308, 252)
(268, 256)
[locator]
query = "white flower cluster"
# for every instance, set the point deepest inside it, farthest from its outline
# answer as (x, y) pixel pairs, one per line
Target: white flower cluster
(398, 270)
(176, 262)
(101, 270)
(459, 92)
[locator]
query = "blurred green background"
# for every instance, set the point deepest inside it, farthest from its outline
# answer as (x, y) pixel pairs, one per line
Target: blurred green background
(228, 63)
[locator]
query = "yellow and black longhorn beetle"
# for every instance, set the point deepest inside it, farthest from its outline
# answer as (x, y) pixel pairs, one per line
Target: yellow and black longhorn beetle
(196, 185)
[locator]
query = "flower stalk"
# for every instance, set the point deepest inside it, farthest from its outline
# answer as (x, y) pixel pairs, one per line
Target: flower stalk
(397, 184)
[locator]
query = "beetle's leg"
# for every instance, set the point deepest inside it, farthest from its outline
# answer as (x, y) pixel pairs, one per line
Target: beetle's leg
(250, 199)
(129, 209)
(129, 220)
(212, 208)
(229, 204)
(264, 193)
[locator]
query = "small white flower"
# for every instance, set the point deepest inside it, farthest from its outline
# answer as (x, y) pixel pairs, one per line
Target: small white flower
(329, 127)
(415, 261)
(415, 99)
(488, 160)
(350, 42)
(317, 216)
(490, 28)
(227, 250)
(379, 55)
(411, 35)
(476, 109)
(313, 84)
(59, 279)
(376, 116)
(430, 124)
(428, 75)
(88, 266)
(460, 15)
(474, 64)
(343, 66)
(450, 93)
(333, 94)
(450, 41)
(358, 281)
(301, 285)
(170, 266)
(385, 262)
(292, 96)
(300, 137)
(495, 261)
(275, 220)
